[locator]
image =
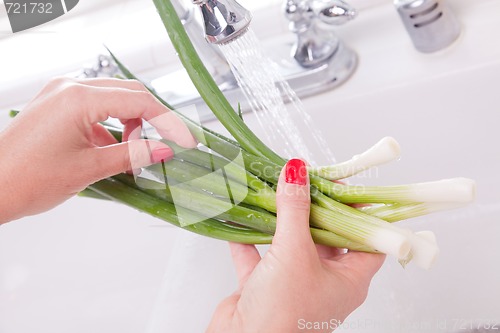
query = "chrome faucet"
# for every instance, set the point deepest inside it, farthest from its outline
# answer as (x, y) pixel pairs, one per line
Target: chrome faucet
(312, 22)
(321, 61)
(312, 59)
(224, 20)
(212, 57)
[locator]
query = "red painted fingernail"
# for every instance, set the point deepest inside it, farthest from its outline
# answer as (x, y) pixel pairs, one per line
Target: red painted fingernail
(161, 154)
(296, 172)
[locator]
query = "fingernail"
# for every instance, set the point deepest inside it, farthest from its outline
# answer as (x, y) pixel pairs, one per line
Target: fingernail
(161, 154)
(296, 172)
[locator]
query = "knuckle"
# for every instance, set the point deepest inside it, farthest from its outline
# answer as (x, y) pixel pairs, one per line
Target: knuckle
(61, 91)
(137, 85)
(148, 100)
(147, 96)
(70, 92)
(101, 167)
(296, 197)
(56, 84)
(296, 206)
(73, 89)
(299, 204)
(134, 155)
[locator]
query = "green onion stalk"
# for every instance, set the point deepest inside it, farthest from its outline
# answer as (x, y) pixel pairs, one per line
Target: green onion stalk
(225, 188)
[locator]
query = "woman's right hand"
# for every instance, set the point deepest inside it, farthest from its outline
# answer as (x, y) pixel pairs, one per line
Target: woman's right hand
(296, 283)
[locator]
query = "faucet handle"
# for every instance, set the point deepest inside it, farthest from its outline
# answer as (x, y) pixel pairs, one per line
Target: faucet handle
(330, 12)
(333, 12)
(313, 22)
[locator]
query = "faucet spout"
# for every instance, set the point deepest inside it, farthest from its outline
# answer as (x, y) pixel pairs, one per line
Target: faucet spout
(210, 54)
(223, 20)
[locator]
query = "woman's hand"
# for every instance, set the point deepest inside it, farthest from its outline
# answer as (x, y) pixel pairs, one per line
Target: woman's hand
(297, 283)
(56, 147)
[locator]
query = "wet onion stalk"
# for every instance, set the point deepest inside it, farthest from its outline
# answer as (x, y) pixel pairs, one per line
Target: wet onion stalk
(206, 201)
(333, 222)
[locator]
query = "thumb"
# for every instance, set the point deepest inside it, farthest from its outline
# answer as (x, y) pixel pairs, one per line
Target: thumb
(293, 204)
(130, 155)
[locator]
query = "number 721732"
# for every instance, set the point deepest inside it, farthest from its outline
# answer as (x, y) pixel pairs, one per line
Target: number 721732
(29, 8)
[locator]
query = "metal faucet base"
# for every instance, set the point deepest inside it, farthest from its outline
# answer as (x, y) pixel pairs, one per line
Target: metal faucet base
(177, 89)
(312, 81)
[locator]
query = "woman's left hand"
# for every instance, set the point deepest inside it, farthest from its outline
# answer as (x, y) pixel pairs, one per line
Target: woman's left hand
(56, 147)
